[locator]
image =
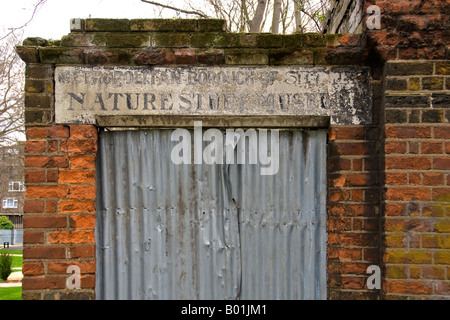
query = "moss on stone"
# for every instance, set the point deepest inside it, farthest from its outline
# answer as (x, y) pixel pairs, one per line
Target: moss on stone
(210, 25)
(289, 57)
(163, 25)
(246, 57)
(269, 40)
(126, 39)
(36, 42)
(174, 40)
(61, 55)
(107, 25)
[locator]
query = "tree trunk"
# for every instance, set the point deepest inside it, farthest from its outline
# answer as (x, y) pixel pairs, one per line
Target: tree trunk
(298, 17)
(276, 16)
(255, 25)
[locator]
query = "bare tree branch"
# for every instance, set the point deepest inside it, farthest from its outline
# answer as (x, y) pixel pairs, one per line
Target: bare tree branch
(176, 9)
(37, 6)
(11, 91)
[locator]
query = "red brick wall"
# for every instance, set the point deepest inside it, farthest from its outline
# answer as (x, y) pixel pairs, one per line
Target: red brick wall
(59, 210)
(417, 180)
(353, 210)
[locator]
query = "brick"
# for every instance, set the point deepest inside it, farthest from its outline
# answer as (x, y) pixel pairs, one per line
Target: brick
(432, 83)
(352, 283)
(409, 68)
(44, 191)
(33, 206)
(414, 84)
(409, 101)
(414, 179)
(60, 267)
(50, 206)
(38, 71)
(442, 257)
(46, 161)
(442, 288)
(407, 194)
(33, 237)
(440, 100)
(44, 221)
(52, 146)
(82, 192)
(153, 56)
(87, 281)
(82, 162)
(433, 179)
(443, 68)
(56, 131)
(77, 206)
(356, 239)
(185, 56)
(396, 272)
(441, 163)
(442, 226)
(418, 225)
(392, 225)
(353, 148)
(211, 57)
(39, 283)
(433, 116)
(77, 176)
(433, 241)
(83, 132)
(35, 146)
(82, 146)
(52, 175)
(82, 221)
(346, 254)
(401, 132)
(82, 251)
(32, 268)
(49, 252)
(39, 101)
(38, 86)
(396, 178)
(394, 241)
(431, 147)
(395, 147)
(408, 257)
(407, 163)
(72, 237)
(396, 84)
(353, 268)
(107, 25)
(408, 287)
(396, 116)
(441, 132)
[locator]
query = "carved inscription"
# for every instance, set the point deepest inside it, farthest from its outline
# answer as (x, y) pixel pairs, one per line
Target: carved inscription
(85, 92)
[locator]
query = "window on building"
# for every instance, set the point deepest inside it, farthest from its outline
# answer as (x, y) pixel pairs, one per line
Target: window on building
(10, 203)
(16, 186)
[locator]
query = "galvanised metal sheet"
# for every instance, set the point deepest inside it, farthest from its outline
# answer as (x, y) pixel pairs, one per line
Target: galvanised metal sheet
(210, 231)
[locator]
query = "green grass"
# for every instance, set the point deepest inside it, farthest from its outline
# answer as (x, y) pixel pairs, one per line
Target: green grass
(13, 251)
(11, 293)
(17, 262)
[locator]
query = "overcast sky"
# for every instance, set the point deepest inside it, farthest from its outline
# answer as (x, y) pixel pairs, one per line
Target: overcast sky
(52, 20)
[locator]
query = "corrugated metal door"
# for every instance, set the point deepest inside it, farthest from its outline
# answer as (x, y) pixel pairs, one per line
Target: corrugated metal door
(201, 231)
